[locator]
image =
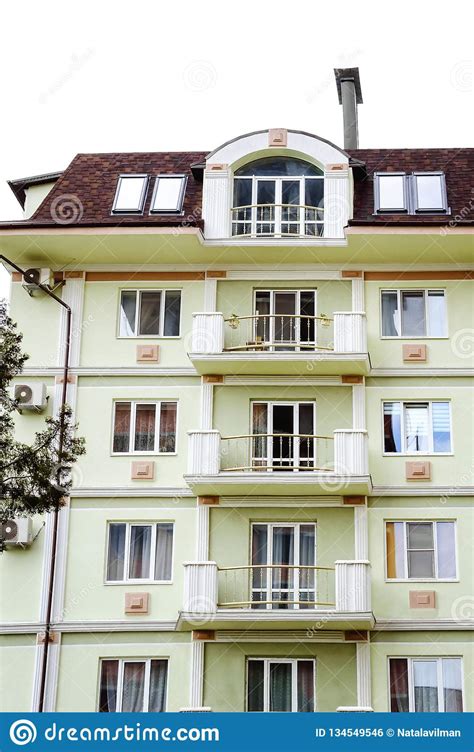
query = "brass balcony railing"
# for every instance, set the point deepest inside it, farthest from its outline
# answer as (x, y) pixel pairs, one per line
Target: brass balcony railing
(275, 586)
(277, 220)
(267, 452)
(278, 332)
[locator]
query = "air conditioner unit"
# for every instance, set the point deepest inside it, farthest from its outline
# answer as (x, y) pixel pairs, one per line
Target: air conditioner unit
(33, 278)
(31, 396)
(16, 532)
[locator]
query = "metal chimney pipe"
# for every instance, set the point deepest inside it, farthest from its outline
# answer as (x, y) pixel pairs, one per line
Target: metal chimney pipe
(350, 95)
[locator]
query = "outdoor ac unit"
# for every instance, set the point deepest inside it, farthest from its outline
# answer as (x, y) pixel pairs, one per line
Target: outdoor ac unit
(16, 532)
(30, 396)
(32, 278)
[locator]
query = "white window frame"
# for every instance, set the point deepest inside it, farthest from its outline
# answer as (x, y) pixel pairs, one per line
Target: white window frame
(430, 451)
(138, 294)
(126, 562)
(138, 210)
(277, 218)
(134, 404)
(275, 347)
(146, 688)
(425, 292)
(296, 582)
(439, 676)
(179, 209)
(436, 578)
(296, 444)
(266, 680)
(410, 192)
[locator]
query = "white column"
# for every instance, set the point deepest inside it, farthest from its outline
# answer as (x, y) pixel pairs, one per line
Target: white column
(358, 407)
(73, 294)
(337, 203)
(207, 398)
(364, 683)
(210, 294)
(202, 524)
(361, 537)
(216, 204)
(358, 297)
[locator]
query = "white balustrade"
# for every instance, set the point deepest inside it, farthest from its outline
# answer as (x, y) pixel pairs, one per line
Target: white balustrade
(203, 452)
(350, 332)
(200, 587)
(351, 455)
(353, 586)
(207, 332)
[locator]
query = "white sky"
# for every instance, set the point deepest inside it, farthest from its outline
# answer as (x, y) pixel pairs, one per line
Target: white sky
(150, 76)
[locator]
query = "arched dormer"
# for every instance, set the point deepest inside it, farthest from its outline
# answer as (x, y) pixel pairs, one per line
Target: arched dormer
(276, 185)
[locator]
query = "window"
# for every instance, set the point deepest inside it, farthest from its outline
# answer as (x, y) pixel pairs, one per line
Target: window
(139, 551)
(150, 313)
(413, 313)
(278, 197)
(283, 436)
(133, 686)
(426, 685)
(283, 559)
(168, 194)
(130, 194)
(285, 319)
(417, 427)
(144, 427)
(420, 550)
(280, 685)
(419, 193)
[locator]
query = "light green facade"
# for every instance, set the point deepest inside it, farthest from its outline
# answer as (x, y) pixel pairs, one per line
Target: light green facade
(208, 650)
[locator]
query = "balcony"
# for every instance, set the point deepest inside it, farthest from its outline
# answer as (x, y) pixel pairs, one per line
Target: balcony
(280, 344)
(277, 221)
(277, 596)
(278, 464)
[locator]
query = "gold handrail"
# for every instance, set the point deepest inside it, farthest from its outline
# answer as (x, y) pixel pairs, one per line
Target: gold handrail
(276, 566)
(279, 316)
(280, 603)
(276, 435)
(269, 206)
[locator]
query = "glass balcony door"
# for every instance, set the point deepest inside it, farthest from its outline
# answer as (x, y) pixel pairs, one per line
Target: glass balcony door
(283, 436)
(283, 558)
(285, 319)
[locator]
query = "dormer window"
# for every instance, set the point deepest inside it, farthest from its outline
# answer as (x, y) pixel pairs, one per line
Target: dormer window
(168, 194)
(130, 194)
(277, 197)
(418, 193)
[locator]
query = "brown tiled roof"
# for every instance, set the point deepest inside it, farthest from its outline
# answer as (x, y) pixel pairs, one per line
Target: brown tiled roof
(457, 164)
(88, 185)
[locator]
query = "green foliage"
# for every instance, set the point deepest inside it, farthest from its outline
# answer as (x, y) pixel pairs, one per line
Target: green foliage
(34, 478)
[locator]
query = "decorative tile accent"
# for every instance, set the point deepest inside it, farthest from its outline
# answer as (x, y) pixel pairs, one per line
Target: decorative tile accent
(418, 470)
(143, 470)
(422, 598)
(353, 500)
(148, 353)
(208, 500)
(336, 167)
(414, 352)
(216, 167)
(351, 274)
(203, 634)
(211, 379)
(355, 635)
(352, 379)
(137, 603)
(277, 137)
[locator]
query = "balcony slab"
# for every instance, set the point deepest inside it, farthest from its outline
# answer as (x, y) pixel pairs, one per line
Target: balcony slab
(281, 363)
(278, 484)
(256, 619)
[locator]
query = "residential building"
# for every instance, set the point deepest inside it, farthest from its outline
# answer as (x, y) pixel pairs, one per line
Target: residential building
(269, 360)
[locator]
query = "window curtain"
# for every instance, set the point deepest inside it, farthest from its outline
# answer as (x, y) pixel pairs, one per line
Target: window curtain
(452, 685)
(116, 552)
(140, 545)
(395, 550)
(128, 313)
(262, 310)
(392, 427)
(133, 687)
(436, 313)
(390, 314)
(164, 551)
(446, 549)
(168, 427)
(150, 303)
(108, 687)
(307, 576)
(172, 313)
(283, 577)
(259, 426)
(416, 427)
(158, 682)
(426, 686)
(280, 687)
(255, 686)
(122, 427)
(145, 428)
(413, 313)
(399, 685)
(259, 556)
(441, 426)
(305, 671)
